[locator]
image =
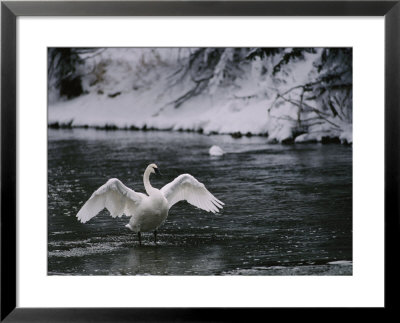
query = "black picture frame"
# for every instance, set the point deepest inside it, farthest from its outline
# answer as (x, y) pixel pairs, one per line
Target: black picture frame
(10, 10)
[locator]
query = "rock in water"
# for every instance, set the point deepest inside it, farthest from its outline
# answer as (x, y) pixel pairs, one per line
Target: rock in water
(216, 151)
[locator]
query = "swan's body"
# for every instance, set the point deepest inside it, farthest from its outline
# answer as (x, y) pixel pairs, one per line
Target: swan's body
(147, 212)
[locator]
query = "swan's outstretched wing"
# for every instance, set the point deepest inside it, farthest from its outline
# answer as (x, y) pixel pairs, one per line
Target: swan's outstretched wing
(186, 187)
(113, 195)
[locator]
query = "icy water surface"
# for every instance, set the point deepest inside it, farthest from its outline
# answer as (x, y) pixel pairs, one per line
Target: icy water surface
(288, 208)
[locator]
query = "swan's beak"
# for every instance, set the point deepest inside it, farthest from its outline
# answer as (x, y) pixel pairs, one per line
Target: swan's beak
(157, 171)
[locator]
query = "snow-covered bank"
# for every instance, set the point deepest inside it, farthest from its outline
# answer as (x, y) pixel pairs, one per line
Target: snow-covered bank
(130, 111)
(131, 90)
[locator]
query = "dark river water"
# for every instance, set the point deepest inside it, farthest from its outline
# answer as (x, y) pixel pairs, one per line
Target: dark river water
(288, 208)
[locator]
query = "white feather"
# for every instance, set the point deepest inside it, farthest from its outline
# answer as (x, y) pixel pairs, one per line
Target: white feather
(115, 197)
(186, 188)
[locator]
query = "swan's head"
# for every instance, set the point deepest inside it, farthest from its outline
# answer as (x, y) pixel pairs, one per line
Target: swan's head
(153, 169)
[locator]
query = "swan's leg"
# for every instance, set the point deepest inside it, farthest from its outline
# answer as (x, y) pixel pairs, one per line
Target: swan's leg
(155, 236)
(140, 238)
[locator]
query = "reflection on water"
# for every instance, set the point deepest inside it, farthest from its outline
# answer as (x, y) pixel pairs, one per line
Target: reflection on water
(288, 209)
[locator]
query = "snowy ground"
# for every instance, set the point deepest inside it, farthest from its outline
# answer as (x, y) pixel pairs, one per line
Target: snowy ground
(134, 92)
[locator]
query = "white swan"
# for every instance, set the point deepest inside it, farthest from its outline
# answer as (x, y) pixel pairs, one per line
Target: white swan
(148, 212)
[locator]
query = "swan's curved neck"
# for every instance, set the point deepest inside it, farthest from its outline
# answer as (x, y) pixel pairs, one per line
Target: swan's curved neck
(149, 189)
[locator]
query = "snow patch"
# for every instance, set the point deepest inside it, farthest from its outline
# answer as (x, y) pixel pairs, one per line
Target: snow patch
(216, 151)
(341, 262)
